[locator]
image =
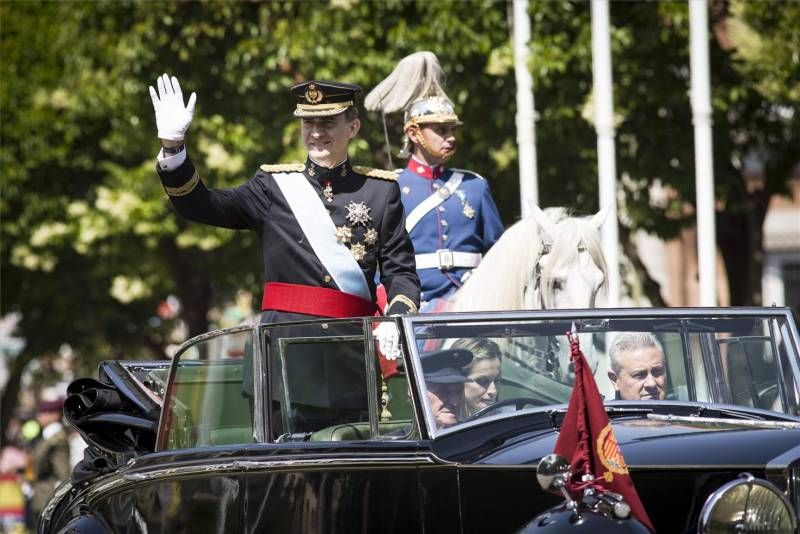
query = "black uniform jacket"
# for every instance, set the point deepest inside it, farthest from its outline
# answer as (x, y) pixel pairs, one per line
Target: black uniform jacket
(260, 206)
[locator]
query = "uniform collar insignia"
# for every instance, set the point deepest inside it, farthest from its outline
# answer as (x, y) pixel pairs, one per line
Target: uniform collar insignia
(426, 171)
(316, 170)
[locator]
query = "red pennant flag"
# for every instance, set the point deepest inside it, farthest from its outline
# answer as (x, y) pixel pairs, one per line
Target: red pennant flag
(587, 441)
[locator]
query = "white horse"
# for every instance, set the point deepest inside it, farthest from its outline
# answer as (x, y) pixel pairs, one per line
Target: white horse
(547, 261)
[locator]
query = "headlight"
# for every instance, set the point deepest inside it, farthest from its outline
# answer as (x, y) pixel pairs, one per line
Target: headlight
(747, 505)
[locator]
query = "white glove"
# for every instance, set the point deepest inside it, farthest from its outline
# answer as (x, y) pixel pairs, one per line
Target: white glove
(388, 340)
(172, 117)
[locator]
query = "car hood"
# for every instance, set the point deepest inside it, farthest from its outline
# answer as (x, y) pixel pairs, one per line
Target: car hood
(665, 443)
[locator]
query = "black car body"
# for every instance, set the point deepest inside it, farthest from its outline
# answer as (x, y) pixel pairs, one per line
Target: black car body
(303, 427)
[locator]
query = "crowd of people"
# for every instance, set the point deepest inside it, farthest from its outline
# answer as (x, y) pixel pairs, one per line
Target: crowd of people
(39, 454)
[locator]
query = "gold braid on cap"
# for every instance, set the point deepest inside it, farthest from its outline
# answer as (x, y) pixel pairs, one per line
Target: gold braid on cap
(323, 107)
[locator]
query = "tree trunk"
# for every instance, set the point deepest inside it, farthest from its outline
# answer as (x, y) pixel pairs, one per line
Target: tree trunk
(740, 237)
(9, 395)
(193, 286)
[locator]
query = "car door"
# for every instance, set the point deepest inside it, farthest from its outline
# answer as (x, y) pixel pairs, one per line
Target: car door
(344, 451)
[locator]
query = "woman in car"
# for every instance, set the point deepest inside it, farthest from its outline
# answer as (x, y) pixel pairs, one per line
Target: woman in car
(483, 372)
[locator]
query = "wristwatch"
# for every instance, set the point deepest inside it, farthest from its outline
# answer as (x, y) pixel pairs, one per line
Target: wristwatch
(172, 150)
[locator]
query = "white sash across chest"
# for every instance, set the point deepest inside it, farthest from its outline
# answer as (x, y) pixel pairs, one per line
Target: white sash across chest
(318, 227)
(434, 200)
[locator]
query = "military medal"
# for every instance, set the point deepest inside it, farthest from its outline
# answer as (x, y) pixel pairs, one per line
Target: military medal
(344, 234)
(468, 211)
(358, 213)
(371, 236)
(359, 251)
(327, 191)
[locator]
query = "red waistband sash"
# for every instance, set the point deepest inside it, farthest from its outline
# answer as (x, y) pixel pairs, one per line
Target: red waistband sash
(310, 300)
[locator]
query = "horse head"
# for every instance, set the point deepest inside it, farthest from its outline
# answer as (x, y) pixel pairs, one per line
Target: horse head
(570, 270)
(549, 260)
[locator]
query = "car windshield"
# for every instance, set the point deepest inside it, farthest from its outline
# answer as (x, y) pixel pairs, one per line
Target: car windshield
(473, 369)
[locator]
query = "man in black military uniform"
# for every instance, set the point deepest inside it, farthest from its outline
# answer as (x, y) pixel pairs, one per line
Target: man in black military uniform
(325, 226)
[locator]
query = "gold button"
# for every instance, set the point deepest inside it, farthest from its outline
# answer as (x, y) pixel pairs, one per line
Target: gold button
(327, 279)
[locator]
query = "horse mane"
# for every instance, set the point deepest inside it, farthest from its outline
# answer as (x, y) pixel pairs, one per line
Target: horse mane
(499, 281)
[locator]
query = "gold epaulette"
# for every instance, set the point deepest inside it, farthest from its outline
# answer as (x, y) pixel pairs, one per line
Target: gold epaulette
(284, 167)
(375, 173)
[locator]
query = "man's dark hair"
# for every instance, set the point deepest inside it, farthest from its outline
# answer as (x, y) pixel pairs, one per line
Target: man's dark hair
(351, 114)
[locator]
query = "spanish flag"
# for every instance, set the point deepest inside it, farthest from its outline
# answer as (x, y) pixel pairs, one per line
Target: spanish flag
(587, 441)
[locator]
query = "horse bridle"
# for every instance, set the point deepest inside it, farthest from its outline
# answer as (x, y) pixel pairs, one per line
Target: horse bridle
(544, 250)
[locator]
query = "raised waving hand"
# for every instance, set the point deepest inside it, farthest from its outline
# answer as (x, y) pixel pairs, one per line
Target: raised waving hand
(173, 118)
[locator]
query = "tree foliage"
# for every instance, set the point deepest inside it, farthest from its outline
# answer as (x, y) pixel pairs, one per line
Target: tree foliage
(90, 244)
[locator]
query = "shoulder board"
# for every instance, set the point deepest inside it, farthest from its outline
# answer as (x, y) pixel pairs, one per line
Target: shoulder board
(284, 167)
(375, 173)
(467, 173)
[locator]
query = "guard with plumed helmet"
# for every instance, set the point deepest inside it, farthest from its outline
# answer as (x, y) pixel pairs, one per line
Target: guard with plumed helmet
(450, 214)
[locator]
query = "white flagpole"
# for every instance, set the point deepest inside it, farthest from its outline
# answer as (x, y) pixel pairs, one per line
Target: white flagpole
(526, 137)
(606, 155)
(704, 163)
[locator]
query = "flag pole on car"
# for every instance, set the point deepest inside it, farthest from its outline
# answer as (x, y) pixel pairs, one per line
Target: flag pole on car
(588, 443)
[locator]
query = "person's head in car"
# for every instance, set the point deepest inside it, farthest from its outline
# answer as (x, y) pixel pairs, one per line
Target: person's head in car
(445, 381)
(638, 368)
(483, 372)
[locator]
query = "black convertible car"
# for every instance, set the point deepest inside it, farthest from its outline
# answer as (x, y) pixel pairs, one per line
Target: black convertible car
(304, 427)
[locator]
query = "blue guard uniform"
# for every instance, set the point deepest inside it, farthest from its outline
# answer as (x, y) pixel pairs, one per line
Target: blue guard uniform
(450, 237)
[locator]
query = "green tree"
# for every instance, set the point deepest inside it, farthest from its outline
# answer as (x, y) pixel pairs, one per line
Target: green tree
(753, 114)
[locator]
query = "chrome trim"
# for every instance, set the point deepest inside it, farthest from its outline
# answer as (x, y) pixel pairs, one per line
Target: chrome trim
(370, 359)
(418, 401)
(598, 313)
(784, 472)
(693, 467)
(788, 336)
(55, 498)
(122, 480)
(214, 333)
(419, 378)
(723, 421)
(259, 387)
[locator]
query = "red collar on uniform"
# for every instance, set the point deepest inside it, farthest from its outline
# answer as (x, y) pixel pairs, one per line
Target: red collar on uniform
(426, 171)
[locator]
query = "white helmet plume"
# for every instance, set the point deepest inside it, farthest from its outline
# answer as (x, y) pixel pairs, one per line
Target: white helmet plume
(416, 76)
